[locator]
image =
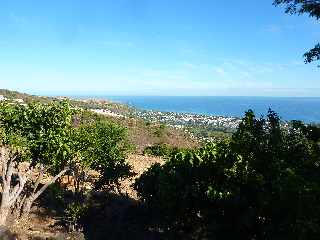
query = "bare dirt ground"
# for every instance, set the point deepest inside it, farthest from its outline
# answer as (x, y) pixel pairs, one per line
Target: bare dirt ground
(140, 164)
(44, 225)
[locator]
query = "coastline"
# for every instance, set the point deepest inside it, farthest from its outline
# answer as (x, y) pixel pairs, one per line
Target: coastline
(288, 108)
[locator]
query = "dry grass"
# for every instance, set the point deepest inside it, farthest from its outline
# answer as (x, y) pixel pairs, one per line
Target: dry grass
(142, 134)
(44, 225)
(140, 164)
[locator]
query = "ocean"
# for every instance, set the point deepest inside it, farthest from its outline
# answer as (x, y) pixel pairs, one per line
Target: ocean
(288, 108)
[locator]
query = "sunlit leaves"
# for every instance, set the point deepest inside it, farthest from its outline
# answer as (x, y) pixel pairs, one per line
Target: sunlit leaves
(44, 128)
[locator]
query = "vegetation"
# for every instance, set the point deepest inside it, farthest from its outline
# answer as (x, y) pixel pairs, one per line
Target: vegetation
(310, 7)
(38, 135)
(143, 134)
(260, 180)
(41, 140)
(162, 150)
(25, 97)
(209, 133)
(102, 147)
(140, 133)
(262, 184)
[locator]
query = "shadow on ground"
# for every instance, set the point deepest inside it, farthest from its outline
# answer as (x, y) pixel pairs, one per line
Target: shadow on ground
(110, 216)
(114, 216)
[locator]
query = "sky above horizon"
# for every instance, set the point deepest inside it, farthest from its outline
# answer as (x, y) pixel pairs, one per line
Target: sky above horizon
(150, 47)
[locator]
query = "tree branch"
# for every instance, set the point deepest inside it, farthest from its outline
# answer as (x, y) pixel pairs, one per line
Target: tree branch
(18, 188)
(44, 187)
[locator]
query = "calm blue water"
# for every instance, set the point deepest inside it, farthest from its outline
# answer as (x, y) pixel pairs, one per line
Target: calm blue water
(288, 108)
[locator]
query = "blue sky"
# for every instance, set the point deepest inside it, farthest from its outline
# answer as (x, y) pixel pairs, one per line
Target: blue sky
(152, 47)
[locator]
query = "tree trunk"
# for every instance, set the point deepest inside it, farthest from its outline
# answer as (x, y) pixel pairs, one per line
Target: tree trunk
(26, 208)
(27, 204)
(4, 213)
(11, 195)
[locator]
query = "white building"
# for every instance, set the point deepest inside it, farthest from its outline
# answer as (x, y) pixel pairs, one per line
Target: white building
(2, 98)
(18, 100)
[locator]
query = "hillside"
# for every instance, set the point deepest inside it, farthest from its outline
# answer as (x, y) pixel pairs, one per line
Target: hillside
(25, 97)
(94, 185)
(45, 223)
(141, 133)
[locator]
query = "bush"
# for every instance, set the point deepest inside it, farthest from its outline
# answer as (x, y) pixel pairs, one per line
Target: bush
(74, 214)
(160, 131)
(162, 150)
(101, 146)
(55, 140)
(38, 134)
(56, 197)
(262, 184)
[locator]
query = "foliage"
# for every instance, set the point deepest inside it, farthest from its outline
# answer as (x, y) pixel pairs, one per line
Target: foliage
(45, 127)
(102, 146)
(160, 130)
(262, 184)
(110, 153)
(38, 133)
(55, 138)
(310, 7)
(162, 150)
(74, 214)
(210, 132)
(11, 95)
(53, 141)
(55, 197)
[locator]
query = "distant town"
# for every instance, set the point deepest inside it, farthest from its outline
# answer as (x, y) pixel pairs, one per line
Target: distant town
(201, 127)
(16, 100)
(198, 126)
(180, 120)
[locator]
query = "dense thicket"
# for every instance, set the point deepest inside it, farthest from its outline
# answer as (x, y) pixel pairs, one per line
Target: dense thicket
(262, 184)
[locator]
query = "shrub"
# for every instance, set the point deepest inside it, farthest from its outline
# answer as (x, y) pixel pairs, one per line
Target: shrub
(56, 197)
(38, 134)
(162, 150)
(101, 146)
(53, 143)
(262, 184)
(74, 213)
(160, 131)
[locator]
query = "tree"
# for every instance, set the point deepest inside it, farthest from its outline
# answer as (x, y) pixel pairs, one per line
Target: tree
(37, 134)
(264, 183)
(100, 146)
(310, 7)
(110, 154)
